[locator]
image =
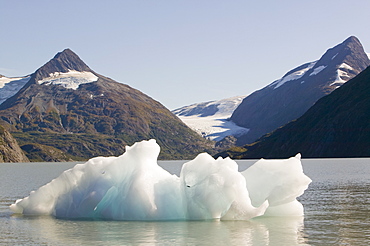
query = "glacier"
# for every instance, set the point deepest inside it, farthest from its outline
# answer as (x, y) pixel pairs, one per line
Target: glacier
(134, 187)
(70, 80)
(10, 86)
(212, 119)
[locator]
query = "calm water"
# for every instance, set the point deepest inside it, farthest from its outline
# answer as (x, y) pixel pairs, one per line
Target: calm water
(337, 209)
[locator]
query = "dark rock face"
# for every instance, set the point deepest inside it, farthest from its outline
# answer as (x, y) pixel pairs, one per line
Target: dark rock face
(62, 62)
(9, 148)
(104, 108)
(290, 97)
(337, 126)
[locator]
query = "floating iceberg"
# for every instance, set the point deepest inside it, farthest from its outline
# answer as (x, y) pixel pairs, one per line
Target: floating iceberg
(133, 187)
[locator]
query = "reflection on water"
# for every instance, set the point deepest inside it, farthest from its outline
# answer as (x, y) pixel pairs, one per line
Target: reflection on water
(337, 208)
(261, 231)
(338, 214)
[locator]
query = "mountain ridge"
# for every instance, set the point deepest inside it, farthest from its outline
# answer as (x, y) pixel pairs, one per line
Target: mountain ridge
(282, 100)
(336, 126)
(288, 98)
(48, 108)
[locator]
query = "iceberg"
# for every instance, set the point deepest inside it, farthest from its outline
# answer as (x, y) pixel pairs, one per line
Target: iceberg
(134, 187)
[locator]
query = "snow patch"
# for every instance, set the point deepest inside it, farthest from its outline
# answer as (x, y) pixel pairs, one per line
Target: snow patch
(317, 70)
(341, 76)
(10, 86)
(293, 76)
(70, 80)
(345, 66)
(334, 56)
(338, 80)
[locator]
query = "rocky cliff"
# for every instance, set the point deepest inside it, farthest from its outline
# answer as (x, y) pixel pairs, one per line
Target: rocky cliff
(9, 148)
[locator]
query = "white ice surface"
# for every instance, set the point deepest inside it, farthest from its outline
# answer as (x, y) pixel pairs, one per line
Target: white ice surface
(134, 187)
(10, 86)
(216, 126)
(213, 127)
(317, 70)
(69, 80)
(280, 186)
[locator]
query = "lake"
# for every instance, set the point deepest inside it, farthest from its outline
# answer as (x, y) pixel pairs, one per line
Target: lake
(337, 209)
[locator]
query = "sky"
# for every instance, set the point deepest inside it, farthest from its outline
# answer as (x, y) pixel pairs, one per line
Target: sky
(179, 52)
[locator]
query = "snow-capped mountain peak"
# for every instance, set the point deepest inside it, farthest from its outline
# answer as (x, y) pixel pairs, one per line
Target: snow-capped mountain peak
(335, 58)
(64, 64)
(288, 98)
(65, 69)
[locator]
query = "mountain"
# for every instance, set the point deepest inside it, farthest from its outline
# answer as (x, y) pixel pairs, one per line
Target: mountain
(337, 126)
(67, 106)
(291, 96)
(9, 148)
(211, 119)
(10, 86)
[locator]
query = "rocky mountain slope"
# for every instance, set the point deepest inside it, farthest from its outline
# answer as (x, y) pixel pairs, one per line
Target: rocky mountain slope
(9, 148)
(338, 125)
(291, 96)
(67, 106)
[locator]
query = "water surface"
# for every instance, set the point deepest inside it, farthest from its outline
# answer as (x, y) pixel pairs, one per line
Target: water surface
(336, 213)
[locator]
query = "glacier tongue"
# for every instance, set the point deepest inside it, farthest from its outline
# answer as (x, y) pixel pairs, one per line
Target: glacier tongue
(70, 80)
(211, 119)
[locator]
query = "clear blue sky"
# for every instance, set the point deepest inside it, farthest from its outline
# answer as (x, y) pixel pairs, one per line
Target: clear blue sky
(179, 52)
